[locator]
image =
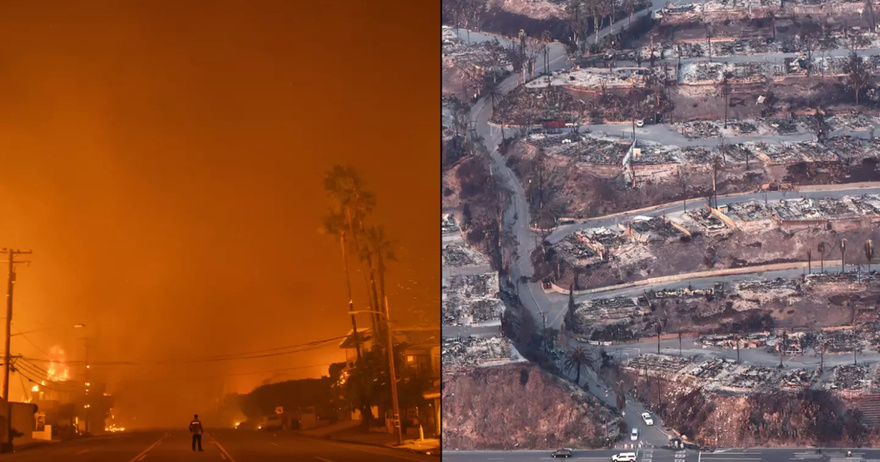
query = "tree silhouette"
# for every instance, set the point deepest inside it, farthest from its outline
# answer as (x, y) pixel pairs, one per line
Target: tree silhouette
(858, 73)
(577, 359)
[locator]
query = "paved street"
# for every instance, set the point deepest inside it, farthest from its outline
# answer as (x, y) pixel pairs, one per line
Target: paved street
(665, 455)
(218, 445)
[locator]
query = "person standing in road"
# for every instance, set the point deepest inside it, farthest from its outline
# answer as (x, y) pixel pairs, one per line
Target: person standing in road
(195, 427)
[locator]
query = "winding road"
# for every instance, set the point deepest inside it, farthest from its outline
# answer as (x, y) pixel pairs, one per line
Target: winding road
(516, 221)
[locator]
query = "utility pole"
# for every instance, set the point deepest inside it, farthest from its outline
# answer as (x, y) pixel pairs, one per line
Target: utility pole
(88, 385)
(10, 282)
(392, 374)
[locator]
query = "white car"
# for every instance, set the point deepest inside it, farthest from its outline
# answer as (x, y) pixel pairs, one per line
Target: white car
(624, 457)
(634, 436)
(647, 418)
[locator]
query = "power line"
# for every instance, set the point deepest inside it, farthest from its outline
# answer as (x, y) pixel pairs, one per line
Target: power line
(220, 376)
(298, 348)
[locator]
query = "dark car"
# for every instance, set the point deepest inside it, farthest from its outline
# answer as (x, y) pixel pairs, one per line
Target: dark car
(565, 452)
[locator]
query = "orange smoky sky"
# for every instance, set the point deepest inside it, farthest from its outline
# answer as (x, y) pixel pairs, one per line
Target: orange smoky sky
(164, 160)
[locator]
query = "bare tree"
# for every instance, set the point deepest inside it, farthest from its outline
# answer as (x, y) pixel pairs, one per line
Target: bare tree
(577, 16)
(810, 32)
(782, 345)
(546, 38)
(821, 248)
(809, 261)
(843, 255)
(869, 252)
(858, 74)
(725, 92)
(869, 5)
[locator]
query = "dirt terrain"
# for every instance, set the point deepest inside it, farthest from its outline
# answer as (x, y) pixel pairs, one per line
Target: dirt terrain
(769, 419)
(538, 410)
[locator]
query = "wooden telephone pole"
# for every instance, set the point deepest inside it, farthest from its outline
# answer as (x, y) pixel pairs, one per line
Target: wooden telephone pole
(10, 283)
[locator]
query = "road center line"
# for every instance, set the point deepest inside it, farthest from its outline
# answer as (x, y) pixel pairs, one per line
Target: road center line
(323, 459)
(222, 449)
(83, 451)
(144, 453)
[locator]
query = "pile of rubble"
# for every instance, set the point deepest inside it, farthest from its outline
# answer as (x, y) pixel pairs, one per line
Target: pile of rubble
(471, 299)
(750, 211)
(850, 377)
(701, 73)
(827, 208)
(589, 246)
(604, 312)
(729, 341)
(588, 149)
(457, 255)
(476, 351)
(653, 364)
(694, 130)
(853, 122)
(702, 218)
(763, 290)
(656, 229)
(709, 369)
(746, 378)
(448, 225)
(841, 341)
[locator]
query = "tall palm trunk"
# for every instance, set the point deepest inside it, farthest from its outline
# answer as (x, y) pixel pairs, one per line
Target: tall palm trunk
(357, 339)
(369, 275)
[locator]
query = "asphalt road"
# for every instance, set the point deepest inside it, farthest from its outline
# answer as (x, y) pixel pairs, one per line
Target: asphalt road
(218, 445)
(665, 455)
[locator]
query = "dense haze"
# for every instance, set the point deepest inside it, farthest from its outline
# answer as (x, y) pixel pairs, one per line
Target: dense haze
(164, 160)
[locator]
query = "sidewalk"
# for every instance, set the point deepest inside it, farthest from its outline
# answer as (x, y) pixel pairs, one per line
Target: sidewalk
(352, 432)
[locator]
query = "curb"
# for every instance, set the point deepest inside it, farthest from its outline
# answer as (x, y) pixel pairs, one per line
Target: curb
(331, 438)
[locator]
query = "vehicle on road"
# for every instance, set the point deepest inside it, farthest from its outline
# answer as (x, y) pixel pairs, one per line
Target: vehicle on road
(624, 457)
(634, 436)
(647, 418)
(564, 452)
(270, 423)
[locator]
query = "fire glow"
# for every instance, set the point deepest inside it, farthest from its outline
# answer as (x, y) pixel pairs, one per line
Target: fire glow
(58, 370)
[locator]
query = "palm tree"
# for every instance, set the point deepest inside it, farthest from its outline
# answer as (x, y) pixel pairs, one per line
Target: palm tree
(843, 255)
(334, 224)
(869, 252)
(577, 359)
(383, 249)
(353, 202)
(821, 248)
(810, 261)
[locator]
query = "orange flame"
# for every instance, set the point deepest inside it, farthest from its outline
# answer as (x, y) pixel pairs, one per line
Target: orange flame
(58, 370)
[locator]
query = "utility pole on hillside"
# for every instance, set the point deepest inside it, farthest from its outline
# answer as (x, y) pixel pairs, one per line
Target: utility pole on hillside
(10, 282)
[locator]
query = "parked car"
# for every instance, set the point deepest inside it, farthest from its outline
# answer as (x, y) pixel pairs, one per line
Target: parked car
(647, 418)
(634, 436)
(564, 452)
(624, 457)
